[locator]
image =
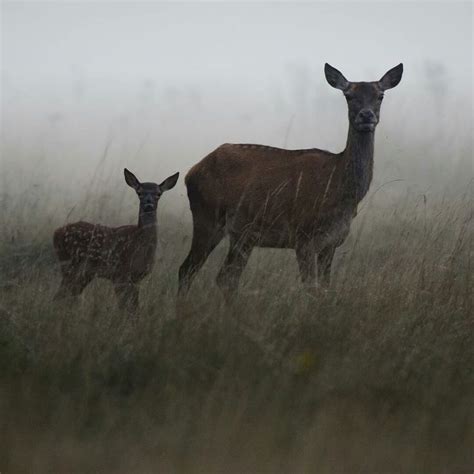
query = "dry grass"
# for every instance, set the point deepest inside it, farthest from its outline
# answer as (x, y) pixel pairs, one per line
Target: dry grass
(374, 376)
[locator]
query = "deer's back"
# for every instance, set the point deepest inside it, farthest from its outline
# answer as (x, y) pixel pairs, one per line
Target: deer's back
(81, 238)
(115, 253)
(95, 243)
(271, 187)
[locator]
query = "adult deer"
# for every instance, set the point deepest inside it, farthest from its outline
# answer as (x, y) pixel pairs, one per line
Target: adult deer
(124, 255)
(270, 197)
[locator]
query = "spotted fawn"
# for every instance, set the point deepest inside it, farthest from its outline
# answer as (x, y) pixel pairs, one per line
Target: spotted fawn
(124, 255)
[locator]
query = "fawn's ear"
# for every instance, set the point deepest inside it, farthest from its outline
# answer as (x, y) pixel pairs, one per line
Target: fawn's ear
(391, 78)
(335, 78)
(131, 179)
(169, 183)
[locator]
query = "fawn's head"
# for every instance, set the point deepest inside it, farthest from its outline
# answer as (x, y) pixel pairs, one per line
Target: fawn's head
(149, 193)
(363, 98)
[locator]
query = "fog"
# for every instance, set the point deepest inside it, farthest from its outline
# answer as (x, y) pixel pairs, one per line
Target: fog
(88, 88)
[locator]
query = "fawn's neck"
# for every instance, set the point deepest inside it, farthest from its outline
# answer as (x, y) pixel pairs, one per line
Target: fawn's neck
(145, 242)
(147, 221)
(359, 155)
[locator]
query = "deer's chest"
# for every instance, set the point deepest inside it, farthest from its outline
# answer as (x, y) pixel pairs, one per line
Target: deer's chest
(334, 230)
(141, 261)
(123, 258)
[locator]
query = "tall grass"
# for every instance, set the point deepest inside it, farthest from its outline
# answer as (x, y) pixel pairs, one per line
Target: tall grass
(375, 375)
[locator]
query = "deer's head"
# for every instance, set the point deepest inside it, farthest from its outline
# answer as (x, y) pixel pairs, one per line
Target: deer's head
(149, 193)
(363, 98)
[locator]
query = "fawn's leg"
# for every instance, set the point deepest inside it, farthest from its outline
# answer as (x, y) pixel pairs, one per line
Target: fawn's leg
(127, 296)
(73, 282)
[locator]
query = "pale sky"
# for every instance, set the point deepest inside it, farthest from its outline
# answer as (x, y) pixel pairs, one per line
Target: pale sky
(213, 42)
(167, 82)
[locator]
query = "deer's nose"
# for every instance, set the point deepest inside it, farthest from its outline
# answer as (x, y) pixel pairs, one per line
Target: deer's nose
(366, 115)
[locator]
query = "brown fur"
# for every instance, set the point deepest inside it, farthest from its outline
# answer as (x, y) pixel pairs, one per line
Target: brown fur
(123, 255)
(270, 197)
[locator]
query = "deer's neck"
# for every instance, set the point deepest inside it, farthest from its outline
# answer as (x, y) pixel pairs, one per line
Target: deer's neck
(147, 222)
(359, 156)
(145, 240)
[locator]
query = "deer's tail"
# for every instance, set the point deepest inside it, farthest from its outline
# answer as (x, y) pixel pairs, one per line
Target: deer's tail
(59, 244)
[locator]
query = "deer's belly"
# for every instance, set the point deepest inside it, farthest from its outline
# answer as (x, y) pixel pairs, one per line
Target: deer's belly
(274, 235)
(124, 267)
(284, 234)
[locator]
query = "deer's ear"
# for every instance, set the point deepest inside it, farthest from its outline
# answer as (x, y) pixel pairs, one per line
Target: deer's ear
(335, 77)
(391, 78)
(131, 179)
(169, 183)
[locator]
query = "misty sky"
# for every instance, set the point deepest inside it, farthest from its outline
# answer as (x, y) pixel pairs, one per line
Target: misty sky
(52, 42)
(174, 80)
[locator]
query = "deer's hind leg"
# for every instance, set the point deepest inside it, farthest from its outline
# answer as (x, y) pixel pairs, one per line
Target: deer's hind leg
(207, 233)
(127, 296)
(233, 266)
(74, 280)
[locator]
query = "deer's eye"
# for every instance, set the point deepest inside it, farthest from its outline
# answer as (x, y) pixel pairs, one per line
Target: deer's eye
(379, 98)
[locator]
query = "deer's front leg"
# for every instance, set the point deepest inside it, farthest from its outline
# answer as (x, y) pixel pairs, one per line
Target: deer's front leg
(306, 257)
(127, 296)
(325, 258)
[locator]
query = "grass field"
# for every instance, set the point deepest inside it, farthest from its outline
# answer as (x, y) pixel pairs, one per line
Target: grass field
(374, 376)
